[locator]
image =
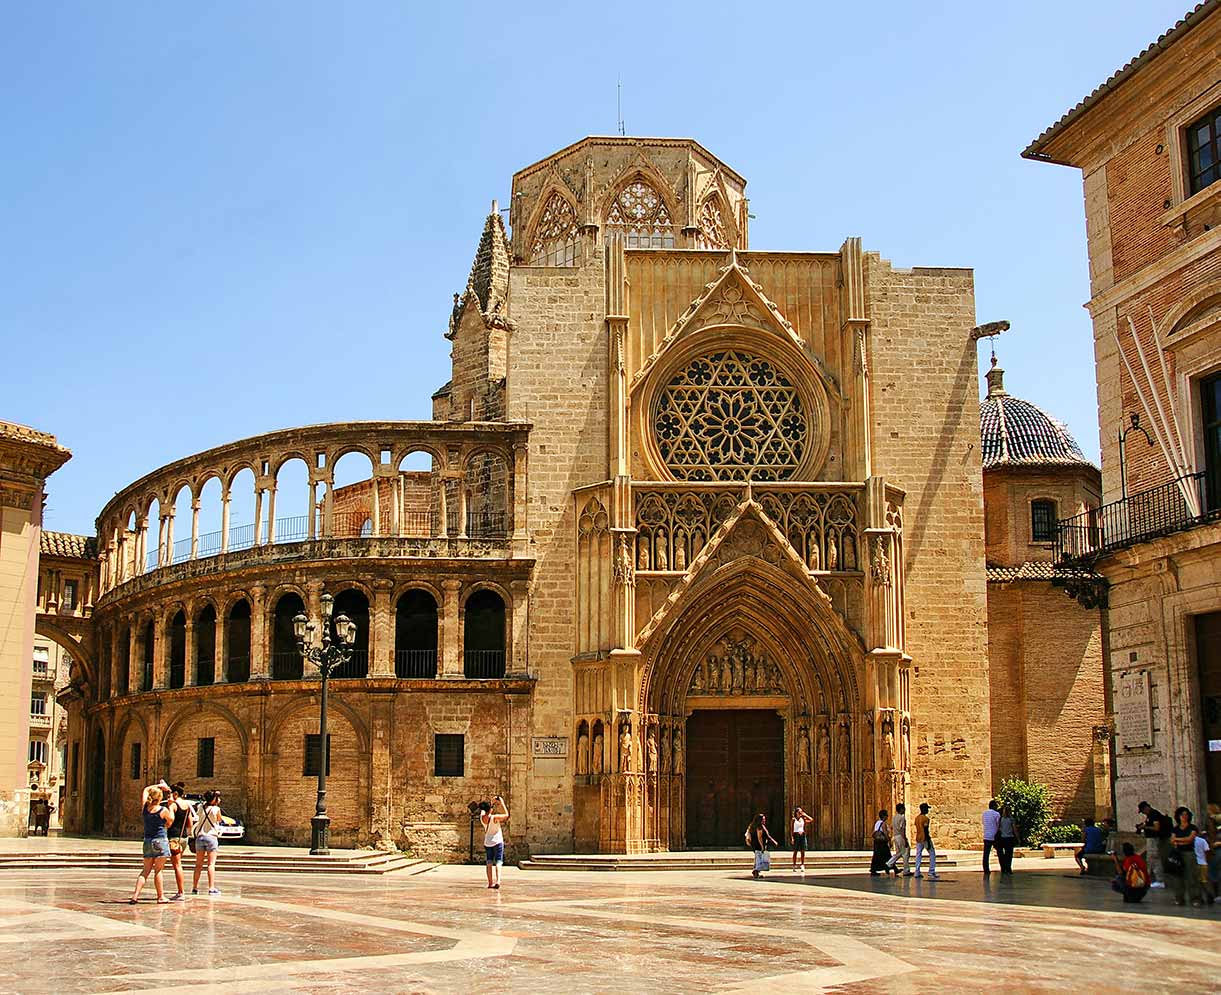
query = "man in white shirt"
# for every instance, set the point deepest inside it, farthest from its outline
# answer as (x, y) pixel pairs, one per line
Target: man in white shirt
(902, 847)
(992, 822)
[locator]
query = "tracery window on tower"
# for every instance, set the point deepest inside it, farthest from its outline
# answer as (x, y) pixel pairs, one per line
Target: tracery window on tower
(731, 416)
(556, 235)
(639, 216)
(712, 234)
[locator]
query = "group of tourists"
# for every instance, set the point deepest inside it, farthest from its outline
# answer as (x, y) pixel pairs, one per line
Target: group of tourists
(1184, 856)
(759, 839)
(171, 827)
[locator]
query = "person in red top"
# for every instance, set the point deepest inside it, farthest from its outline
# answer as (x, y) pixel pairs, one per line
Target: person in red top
(1132, 881)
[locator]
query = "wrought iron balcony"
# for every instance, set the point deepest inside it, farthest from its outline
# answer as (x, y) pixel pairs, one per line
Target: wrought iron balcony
(1159, 511)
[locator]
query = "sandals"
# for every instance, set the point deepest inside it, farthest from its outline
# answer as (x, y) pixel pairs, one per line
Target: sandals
(163, 901)
(132, 901)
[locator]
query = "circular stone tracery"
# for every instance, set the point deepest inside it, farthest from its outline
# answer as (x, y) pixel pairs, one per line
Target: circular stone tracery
(731, 416)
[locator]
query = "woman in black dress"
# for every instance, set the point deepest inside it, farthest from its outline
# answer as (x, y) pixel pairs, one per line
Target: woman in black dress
(881, 846)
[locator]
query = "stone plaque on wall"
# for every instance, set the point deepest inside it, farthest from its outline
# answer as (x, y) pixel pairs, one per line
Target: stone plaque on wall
(549, 746)
(1135, 710)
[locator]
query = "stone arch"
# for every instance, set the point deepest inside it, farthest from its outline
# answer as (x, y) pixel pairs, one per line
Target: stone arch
(180, 753)
(1181, 313)
(194, 709)
(82, 652)
(640, 170)
(308, 702)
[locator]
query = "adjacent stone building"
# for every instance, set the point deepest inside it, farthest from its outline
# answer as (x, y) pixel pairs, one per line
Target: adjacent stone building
(1148, 143)
(1047, 699)
(696, 531)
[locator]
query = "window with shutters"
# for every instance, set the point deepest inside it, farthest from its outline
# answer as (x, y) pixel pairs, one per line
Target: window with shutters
(205, 759)
(449, 754)
(313, 755)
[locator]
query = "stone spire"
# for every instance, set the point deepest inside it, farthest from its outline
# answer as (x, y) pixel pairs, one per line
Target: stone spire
(489, 279)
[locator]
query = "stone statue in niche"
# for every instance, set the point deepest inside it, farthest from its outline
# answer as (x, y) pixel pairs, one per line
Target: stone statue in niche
(833, 553)
(642, 554)
(680, 554)
(907, 742)
(662, 559)
(867, 761)
(624, 575)
(824, 750)
(803, 751)
(625, 748)
(678, 751)
(849, 553)
(651, 745)
(663, 759)
(596, 753)
(888, 744)
(697, 679)
(583, 752)
(845, 746)
(813, 559)
(880, 564)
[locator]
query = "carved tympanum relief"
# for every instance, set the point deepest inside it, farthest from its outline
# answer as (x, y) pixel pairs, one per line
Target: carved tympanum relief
(731, 416)
(736, 667)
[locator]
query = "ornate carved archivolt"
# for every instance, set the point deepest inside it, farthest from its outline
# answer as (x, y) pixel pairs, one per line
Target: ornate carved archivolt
(556, 234)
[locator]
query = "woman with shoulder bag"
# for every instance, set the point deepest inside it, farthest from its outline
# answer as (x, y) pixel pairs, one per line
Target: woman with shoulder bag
(757, 838)
(207, 842)
(1181, 861)
(880, 863)
(156, 847)
(179, 829)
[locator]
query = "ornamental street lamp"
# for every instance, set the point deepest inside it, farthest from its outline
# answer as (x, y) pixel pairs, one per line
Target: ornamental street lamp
(1134, 426)
(326, 652)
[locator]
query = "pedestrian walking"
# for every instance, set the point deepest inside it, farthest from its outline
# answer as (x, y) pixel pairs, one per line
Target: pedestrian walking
(1132, 879)
(1156, 829)
(880, 864)
(491, 817)
(1181, 861)
(924, 843)
(180, 829)
(797, 836)
(992, 823)
(758, 838)
(1212, 824)
(898, 832)
(1006, 840)
(207, 842)
(1093, 841)
(156, 844)
(1206, 888)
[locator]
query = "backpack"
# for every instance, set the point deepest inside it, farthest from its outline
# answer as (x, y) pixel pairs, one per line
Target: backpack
(1136, 876)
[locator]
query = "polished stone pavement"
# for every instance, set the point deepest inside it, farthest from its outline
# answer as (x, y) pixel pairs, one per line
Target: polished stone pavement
(73, 931)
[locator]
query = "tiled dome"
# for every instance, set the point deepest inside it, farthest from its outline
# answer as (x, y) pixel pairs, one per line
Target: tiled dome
(1014, 432)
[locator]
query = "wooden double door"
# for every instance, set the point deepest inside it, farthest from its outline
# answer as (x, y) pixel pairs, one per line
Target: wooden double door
(735, 769)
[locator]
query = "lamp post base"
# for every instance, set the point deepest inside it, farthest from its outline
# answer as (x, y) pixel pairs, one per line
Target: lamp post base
(320, 836)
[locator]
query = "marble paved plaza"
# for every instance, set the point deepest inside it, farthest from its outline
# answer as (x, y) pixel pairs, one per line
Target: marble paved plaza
(443, 931)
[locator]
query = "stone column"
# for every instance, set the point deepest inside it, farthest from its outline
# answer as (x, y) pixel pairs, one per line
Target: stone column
(271, 512)
(260, 669)
(517, 665)
(224, 520)
(169, 537)
(258, 515)
(220, 647)
(462, 507)
(442, 529)
(135, 659)
(381, 636)
(115, 659)
(311, 532)
(328, 506)
(160, 662)
(451, 663)
(190, 665)
(194, 528)
(375, 507)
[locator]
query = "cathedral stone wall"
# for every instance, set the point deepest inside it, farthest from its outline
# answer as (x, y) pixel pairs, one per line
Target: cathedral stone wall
(925, 439)
(559, 382)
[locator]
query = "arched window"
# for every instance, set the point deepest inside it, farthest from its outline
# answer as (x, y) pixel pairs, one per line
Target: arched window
(286, 663)
(555, 235)
(355, 605)
(205, 646)
(178, 650)
(415, 635)
(712, 234)
(1043, 520)
(484, 635)
(639, 217)
(237, 636)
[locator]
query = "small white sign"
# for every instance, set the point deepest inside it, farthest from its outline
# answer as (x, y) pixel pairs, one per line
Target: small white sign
(549, 746)
(1214, 746)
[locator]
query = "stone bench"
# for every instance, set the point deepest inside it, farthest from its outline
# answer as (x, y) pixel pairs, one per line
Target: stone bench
(1052, 850)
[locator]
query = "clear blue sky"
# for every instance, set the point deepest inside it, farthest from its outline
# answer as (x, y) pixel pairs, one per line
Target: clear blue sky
(225, 218)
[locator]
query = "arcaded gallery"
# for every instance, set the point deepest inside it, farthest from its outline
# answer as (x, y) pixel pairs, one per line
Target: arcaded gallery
(695, 532)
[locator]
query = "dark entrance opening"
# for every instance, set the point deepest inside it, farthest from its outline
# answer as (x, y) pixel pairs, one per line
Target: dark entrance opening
(1208, 657)
(97, 783)
(735, 768)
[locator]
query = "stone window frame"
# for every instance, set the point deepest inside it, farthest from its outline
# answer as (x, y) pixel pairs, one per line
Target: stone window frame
(1031, 501)
(208, 753)
(449, 738)
(135, 761)
(1182, 201)
(1197, 356)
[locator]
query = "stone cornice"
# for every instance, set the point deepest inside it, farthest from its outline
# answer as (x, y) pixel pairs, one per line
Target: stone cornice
(27, 455)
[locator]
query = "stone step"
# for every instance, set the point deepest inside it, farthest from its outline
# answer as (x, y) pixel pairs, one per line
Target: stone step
(699, 861)
(379, 863)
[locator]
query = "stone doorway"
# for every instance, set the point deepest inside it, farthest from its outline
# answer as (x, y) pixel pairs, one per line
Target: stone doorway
(735, 769)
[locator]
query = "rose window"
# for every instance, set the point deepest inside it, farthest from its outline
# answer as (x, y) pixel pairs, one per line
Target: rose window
(640, 218)
(731, 416)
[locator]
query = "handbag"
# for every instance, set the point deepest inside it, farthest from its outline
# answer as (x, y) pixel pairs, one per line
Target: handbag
(1174, 861)
(763, 860)
(879, 833)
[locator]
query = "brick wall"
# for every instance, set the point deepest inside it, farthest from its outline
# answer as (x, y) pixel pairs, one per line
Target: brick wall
(925, 411)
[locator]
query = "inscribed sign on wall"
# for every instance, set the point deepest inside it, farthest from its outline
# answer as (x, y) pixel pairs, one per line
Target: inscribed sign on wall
(549, 753)
(1135, 710)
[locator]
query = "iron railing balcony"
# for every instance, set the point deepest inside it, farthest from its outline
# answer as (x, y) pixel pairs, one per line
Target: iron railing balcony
(415, 663)
(483, 664)
(1138, 518)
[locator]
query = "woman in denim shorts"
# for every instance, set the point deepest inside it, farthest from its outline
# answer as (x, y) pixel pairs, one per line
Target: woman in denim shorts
(156, 844)
(491, 817)
(206, 842)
